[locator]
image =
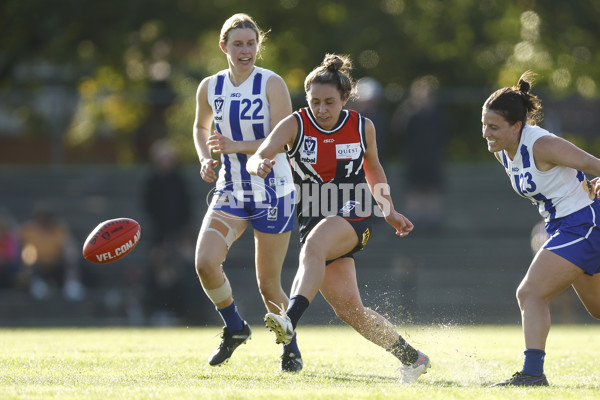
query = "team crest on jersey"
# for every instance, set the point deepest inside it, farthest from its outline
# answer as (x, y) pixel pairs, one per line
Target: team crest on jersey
(218, 107)
(347, 151)
(272, 214)
(308, 153)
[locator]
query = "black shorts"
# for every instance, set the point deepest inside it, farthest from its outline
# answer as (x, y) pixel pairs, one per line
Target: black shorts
(363, 226)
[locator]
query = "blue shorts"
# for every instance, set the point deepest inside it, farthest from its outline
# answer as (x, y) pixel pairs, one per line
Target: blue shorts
(576, 238)
(274, 215)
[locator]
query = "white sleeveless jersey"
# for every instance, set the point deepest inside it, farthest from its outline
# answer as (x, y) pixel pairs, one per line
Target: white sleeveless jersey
(558, 192)
(243, 113)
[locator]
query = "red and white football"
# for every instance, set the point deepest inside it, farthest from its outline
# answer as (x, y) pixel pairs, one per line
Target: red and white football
(111, 240)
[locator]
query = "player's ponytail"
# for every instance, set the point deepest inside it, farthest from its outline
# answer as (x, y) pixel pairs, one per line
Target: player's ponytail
(516, 103)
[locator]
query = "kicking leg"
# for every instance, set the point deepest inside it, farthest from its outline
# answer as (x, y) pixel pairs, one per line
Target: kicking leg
(340, 289)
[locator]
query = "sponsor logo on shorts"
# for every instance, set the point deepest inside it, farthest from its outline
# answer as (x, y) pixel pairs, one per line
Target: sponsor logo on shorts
(349, 207)
(272, 214)
(365, 237)
(278, 181)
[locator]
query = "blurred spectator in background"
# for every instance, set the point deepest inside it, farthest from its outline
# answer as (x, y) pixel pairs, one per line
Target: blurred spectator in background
(10, 251)
(167, 202)
(166, 197)
(165, 300)
(425, 132)
(369, 104)
(52, 256)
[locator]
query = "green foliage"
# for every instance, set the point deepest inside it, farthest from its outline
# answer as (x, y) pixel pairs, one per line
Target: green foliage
(339, 364)
(463, 43)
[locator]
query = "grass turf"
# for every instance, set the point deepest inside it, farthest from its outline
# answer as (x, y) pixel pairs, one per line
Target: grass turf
(171, 363)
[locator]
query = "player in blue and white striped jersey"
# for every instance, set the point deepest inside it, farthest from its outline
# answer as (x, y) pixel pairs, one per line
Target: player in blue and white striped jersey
(550, 172)
(244, 102)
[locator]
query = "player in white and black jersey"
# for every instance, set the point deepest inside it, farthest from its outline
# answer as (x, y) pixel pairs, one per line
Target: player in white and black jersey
(550, 172)
(244, 102)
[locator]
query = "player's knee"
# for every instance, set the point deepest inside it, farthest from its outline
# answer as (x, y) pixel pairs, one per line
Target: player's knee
(523, 293)
(207, 265)
(312, 249)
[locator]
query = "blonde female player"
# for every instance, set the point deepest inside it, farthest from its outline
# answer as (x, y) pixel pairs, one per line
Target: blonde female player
(244, 102)
(333, 151)
(550, 172)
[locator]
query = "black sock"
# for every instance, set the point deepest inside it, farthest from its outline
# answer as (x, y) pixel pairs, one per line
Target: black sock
(404, 352)
(298, 304)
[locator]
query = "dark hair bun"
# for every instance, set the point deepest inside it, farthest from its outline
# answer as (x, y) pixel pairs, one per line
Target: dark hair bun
(523, 86)
(333, 63)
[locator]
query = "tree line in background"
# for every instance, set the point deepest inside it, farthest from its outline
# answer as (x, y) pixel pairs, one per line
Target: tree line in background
(126, 71)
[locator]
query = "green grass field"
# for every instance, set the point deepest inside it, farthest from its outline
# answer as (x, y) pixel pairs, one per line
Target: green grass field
(170, 363)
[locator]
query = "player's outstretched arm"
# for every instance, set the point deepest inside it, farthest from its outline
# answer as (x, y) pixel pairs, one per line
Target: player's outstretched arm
(284, 134)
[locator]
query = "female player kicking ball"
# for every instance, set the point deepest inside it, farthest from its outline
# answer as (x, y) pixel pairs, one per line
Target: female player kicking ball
(550, 172)
(244, 102)
(332, 152)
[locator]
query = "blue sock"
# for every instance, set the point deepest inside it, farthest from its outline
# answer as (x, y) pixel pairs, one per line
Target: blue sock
(298, 304)
(231, 318)
(293, 346)
(533, 364)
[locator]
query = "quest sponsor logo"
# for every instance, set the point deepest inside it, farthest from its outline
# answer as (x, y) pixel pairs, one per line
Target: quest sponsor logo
(347, 151)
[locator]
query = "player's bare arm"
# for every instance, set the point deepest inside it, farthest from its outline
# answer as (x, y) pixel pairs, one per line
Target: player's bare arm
(202, 127)
(220, 144)
(279, 100)
(284, 134)
(550, 151)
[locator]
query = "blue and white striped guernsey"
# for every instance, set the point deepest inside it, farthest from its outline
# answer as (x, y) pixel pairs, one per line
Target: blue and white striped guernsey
(558, 192)
(243, 113)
